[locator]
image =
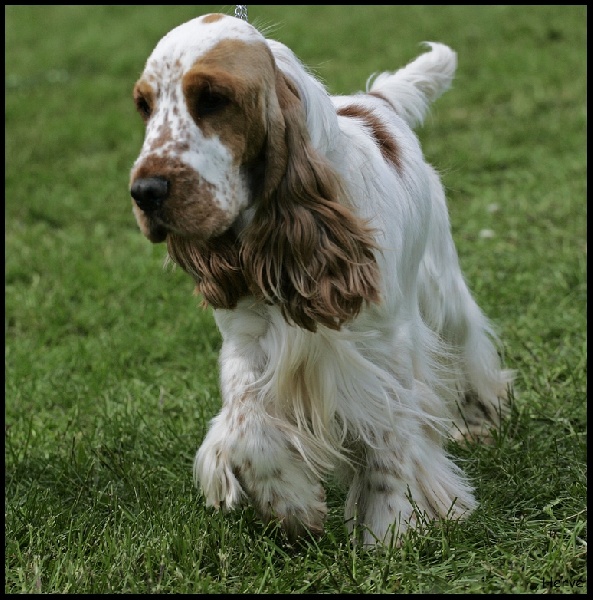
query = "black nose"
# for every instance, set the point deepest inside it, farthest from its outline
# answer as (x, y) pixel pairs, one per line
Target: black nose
(149, 193)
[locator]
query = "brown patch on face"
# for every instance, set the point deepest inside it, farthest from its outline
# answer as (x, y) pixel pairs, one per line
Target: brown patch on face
(225, 93)
(212, 18)
(387, 144)
(190, 209)
(145, 99)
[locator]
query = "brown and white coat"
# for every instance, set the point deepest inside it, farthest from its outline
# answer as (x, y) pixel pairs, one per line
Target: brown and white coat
(320, 236)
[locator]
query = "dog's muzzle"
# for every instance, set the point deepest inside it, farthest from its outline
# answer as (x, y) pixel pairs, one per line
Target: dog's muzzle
(150, 194)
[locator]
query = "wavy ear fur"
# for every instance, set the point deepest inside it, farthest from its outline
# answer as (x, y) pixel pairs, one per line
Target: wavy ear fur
(305, 250)
(214, 265)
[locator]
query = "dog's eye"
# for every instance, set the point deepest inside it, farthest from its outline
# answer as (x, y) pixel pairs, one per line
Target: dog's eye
(210, 102)
(143, 108)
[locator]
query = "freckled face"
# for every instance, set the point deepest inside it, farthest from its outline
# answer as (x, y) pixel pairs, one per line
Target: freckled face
(202, 96)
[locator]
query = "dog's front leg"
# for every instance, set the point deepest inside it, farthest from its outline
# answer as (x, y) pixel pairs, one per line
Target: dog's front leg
(248, 452)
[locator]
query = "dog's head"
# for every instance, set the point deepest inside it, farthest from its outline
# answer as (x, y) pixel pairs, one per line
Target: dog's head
(228, 176)
(204, 97)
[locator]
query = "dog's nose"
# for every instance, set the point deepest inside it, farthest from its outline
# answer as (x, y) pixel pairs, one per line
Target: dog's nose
(149, 193)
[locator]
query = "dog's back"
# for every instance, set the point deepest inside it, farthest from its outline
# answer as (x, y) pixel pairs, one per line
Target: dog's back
(446, 303)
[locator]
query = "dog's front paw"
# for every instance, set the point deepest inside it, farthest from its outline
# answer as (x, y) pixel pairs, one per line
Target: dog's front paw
(288, 494)
(248, 457)
(214, 473)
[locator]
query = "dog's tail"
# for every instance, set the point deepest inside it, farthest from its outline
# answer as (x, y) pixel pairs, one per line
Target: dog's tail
(412, 89)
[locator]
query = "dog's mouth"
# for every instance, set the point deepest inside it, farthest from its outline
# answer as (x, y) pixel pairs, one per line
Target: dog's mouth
(176, 201)
(156, 232)
(185, 219)
(152, 225)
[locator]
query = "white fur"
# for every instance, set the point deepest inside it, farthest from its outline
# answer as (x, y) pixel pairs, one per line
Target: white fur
(373, 402)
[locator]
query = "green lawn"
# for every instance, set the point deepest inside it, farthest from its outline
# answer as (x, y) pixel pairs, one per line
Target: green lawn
(111, 373)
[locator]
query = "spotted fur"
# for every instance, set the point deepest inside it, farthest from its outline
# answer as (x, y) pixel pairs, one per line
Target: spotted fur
(320, 236)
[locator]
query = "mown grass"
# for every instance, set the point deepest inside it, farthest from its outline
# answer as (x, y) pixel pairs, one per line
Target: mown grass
(111, 371)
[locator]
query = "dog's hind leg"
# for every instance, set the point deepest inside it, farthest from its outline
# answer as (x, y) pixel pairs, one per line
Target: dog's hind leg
(478, 383)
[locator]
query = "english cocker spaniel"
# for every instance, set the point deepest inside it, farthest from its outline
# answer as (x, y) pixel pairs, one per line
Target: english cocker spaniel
(320, 236)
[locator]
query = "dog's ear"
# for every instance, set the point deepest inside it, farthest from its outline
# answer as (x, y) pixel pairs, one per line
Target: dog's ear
(305, 250)
(214, 264)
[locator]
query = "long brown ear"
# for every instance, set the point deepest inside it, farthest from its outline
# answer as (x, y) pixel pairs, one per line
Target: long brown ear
(214, 265)
(304, 250)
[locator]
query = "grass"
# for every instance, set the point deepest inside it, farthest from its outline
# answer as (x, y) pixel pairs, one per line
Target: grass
(111, 372)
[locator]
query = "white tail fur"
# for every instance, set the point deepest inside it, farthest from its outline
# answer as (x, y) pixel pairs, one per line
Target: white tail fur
(413, 88)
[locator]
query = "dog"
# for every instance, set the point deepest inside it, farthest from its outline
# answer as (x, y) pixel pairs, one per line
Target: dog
(319, 235)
